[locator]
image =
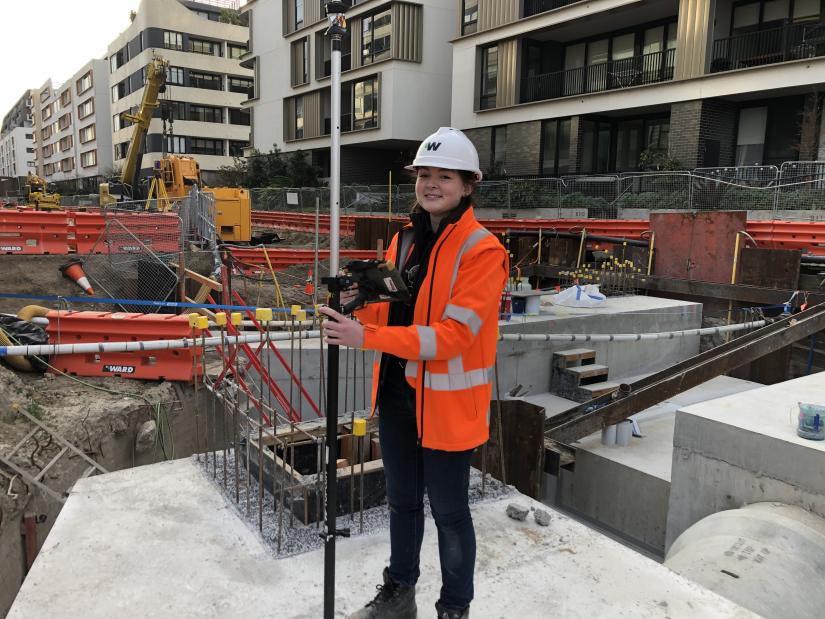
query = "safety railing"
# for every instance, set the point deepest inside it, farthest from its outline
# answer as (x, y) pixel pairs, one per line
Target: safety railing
(534, 7)
(753, 49)
(623, 73)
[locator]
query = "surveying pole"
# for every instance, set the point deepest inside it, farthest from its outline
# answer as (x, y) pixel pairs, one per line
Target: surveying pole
(337, 29)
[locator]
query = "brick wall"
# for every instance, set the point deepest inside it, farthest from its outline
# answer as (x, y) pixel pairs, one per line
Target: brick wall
(483, 140)
(523, 153)
(694, 128)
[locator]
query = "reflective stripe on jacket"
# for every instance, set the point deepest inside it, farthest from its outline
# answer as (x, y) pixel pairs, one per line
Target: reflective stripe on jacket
(451, 345)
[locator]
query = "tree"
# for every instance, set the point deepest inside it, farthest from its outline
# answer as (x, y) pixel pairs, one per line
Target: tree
(272, 169)
(234, 17)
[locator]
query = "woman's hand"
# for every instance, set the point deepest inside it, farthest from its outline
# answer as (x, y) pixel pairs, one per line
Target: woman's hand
(340, 330)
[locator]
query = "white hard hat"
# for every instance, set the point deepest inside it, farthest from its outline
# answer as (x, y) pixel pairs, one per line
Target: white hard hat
(449, 149)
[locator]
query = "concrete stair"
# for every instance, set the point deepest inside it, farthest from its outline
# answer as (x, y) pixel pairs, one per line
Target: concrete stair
(575, 375)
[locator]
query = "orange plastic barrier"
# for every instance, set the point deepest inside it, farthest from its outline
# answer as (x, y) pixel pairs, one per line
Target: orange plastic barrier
(33, 232)
(85, 327)
(85, 230)
(254, 259)
(808, 236)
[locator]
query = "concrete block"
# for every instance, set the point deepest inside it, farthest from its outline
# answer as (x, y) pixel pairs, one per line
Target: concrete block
(744, 449)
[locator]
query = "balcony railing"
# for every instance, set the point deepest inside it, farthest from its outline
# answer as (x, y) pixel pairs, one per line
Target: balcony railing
(534, 7)
(633, 71)
(791, 42)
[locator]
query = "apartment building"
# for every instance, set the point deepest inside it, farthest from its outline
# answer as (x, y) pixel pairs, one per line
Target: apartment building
(555, 87)
(201, 110)
(72, 132)
(396, 81)
(16, 139)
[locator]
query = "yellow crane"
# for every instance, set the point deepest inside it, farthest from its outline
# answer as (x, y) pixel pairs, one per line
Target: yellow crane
(175, 175)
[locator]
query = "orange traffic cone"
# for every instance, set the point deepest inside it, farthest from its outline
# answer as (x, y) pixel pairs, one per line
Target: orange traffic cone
(74, 271)
(310, 285)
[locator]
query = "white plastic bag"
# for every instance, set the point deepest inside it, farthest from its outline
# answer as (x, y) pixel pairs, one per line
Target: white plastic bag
(580, 296)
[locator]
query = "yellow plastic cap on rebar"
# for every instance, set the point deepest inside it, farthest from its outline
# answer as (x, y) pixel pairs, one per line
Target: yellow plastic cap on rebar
(359, 427)
(203, 322)
(301, 316)
(193, 320)
(220, 319)
(294, 310)
(263, 313)
(236, 318)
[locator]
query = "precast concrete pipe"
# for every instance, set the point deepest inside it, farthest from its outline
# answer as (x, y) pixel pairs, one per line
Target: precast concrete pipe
(99, 347)
(767, 557)
(626, 337)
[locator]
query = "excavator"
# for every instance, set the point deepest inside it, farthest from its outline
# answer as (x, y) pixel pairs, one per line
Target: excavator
(173, 175)
(39, 196)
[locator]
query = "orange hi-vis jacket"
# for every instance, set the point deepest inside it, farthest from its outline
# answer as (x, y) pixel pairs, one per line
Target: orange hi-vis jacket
(451, 345)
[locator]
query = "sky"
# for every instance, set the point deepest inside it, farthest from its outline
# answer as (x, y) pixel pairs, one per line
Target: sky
(44, 39)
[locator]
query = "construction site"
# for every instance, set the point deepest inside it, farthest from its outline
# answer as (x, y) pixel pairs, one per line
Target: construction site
(177, 439)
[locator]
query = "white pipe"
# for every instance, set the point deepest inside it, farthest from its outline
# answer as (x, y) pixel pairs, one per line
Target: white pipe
(625, 337)
(101, 347)
(209, 342)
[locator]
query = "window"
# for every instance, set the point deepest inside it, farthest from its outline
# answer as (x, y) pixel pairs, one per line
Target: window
(299, 58)
(64, 121)
(206, 114)
(236, 148)
(172, 40)
(120, 90)
(46, 114)
(299, 13)
(208, 81)
(376, 31)
(365, 104)
(241, 85)
(173, 110)
(174, 76)
(66, 143)
(804, 10)
(595, 146)
(29, 136)
(207, 15)
(44, 94)
(175, 144)
(67, 164)
(87, 108)
(88, 159)
(299, 117)
(240, 117)
(469, 18)
(205, 146)
(235, 51)
(323, 54)
(117, 60)
(84, 83)
(48, 169)
(489, 77)
(46, 133)
(499, 146)
(87, 134)
(48, 150)
(121, 150)
(65, 98)
(201, 46)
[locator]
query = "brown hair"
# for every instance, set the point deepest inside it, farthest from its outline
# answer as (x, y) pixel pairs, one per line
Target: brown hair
(467, 177)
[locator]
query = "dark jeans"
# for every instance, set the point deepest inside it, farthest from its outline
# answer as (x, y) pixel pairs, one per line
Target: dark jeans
(409, 469)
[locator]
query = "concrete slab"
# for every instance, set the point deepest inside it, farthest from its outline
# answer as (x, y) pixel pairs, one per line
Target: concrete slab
(626, 489)
(160, 541)
(748, 446)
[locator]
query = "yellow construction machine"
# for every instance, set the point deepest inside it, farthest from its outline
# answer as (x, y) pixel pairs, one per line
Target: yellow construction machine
(174, 175)
(39, 196)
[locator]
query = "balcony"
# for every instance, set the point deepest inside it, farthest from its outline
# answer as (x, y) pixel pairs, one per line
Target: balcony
(633, 71)
(534, 7)
(790, 42)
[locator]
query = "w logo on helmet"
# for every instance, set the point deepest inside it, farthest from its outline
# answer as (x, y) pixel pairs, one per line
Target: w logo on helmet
(432, 146)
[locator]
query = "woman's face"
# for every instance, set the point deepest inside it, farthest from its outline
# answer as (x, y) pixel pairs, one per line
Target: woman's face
(439, 191)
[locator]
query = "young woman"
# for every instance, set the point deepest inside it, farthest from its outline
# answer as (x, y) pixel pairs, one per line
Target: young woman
(431, 376)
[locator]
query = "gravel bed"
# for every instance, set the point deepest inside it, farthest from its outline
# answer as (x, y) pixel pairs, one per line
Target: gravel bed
(296, 537)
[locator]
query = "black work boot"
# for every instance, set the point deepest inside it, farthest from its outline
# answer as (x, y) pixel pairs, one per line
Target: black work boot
(442, 612)
(394, 601)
